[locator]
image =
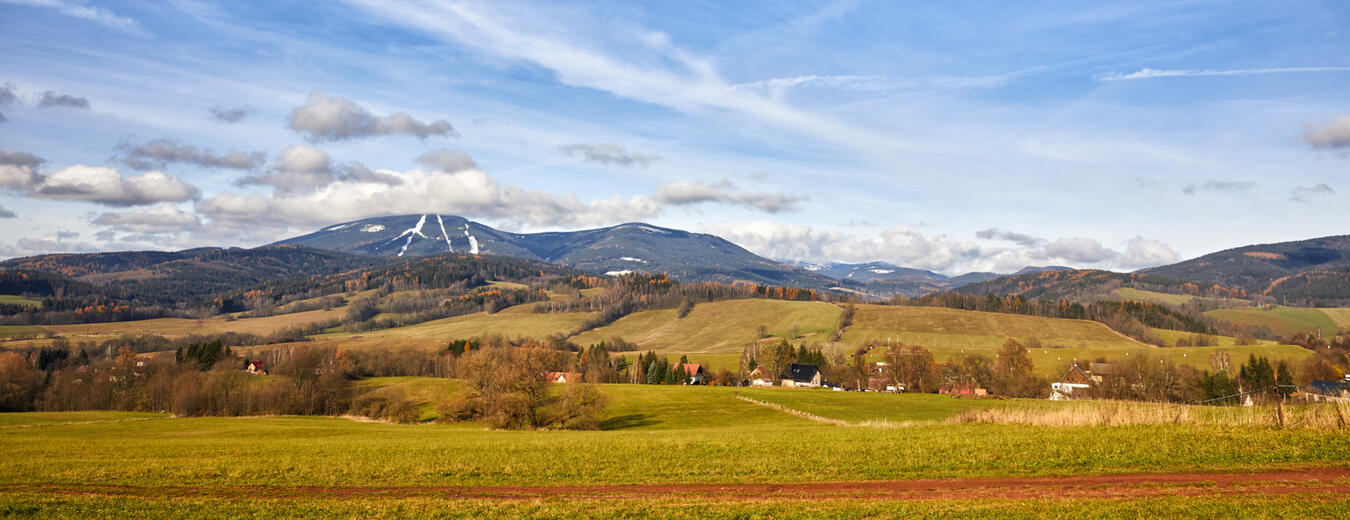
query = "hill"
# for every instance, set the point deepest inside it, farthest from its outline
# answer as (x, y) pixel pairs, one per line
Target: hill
(1312, 272)
(633, 247)
(172, 277)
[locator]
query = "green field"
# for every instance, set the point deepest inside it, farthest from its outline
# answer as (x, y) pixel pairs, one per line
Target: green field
(15, 299)
(1141, 295)
(721, 327)
(109, 464)
(1286, 321)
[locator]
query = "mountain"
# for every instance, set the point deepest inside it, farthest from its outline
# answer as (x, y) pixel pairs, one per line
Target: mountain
(1032, 269)
(633, 247)
(174, 276)
(1304, 272)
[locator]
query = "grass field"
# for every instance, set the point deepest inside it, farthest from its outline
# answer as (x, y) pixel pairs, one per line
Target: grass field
(721, 327)
(15, 299)
(1285, 321)
(178, 327)
(1130, 293)
(660, 441)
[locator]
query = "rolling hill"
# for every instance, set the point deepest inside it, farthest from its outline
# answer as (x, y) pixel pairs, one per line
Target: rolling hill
(168, 277)
(1310, 272)
(633, 247)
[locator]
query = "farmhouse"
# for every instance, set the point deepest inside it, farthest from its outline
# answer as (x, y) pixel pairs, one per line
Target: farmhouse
(1073, 385)
(963, 390)
(563, 377)
(802, 376)
(882, 384)
(693, 371)
(256, 367)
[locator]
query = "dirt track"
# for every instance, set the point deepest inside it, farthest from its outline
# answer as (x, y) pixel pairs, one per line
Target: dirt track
(1325, 481)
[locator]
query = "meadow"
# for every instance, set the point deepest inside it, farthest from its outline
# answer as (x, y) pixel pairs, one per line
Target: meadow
(663, 446)
(1287, 321)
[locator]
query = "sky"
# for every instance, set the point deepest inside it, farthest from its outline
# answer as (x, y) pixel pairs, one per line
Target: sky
(949, 136)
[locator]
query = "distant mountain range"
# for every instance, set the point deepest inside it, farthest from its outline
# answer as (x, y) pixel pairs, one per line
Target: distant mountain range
(1307, 272)
(614, 250)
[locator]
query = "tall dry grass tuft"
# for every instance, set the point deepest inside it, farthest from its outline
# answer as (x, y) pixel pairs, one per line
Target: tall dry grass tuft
(1316, 416)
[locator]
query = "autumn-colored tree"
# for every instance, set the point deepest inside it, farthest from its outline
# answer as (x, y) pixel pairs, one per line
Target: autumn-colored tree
(913, 367)
(1013, 373)
(18, 383)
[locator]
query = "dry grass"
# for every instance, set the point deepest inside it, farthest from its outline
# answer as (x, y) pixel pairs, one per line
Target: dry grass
(1316, 416)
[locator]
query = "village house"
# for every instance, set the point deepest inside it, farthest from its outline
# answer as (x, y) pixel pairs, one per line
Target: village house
(963, 390)
(1073, 385)
(256, 367)
(802, 376)
(695, 373)
(883, 384)
(756, 377)
(563, 377)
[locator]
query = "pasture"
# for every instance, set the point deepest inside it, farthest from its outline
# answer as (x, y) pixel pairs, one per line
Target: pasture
(1286, 321)
(664, 449)
(179, 327)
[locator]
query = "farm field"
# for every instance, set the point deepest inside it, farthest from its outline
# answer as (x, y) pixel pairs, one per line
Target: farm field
(15, 299)
(178, 327)
(735, 458)
(724, 326)
(1286, 321)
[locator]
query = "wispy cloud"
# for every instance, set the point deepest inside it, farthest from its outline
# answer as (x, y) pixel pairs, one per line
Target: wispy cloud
(1176, 73)
(648, 67)
(1306, 194)
(94, 14)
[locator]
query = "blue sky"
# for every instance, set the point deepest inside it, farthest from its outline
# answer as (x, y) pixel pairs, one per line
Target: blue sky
(946, 136)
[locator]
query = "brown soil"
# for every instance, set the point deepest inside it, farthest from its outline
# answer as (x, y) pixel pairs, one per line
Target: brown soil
(1325, 481)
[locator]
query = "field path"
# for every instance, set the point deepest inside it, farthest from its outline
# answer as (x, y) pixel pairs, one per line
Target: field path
(1329, 482)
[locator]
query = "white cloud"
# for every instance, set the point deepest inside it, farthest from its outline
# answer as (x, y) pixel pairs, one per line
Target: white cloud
(467, 192)
(108, 186)
(1143, 252)
(909, 247)
(18, 170)
(331, 118)
(447, 160)
(164, 218)
(1334, 135)
(93, 14)
(1177, 73)
(1080, 250)
(609, 154)
(687, 193)
(159, 153)
(1306, 194)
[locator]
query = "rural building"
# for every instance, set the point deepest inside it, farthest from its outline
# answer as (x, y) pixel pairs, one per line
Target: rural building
(882, 384)
(694, 371)
(963, 390)
(256, 367)
(1329, 391)
(563, 377)
(756, 377)
(802, 376)
(1073, 385)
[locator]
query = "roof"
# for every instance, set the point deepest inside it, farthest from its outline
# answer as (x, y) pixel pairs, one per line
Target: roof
(802, 373)
(257, 363)
(692, 369)
(1330, 387)
(1075, 375)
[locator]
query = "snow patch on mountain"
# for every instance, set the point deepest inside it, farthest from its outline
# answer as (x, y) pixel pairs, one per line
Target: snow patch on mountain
(882, 271)
(473, 242)
(372, 228)
(415, 231)
(340, 226)
(631, 259)
(618, 273)
(449, 247)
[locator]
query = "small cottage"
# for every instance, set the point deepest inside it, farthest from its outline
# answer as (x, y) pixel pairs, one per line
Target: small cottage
(802, 376)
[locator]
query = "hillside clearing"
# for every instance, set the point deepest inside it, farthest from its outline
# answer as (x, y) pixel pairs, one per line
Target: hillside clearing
(721, 327)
